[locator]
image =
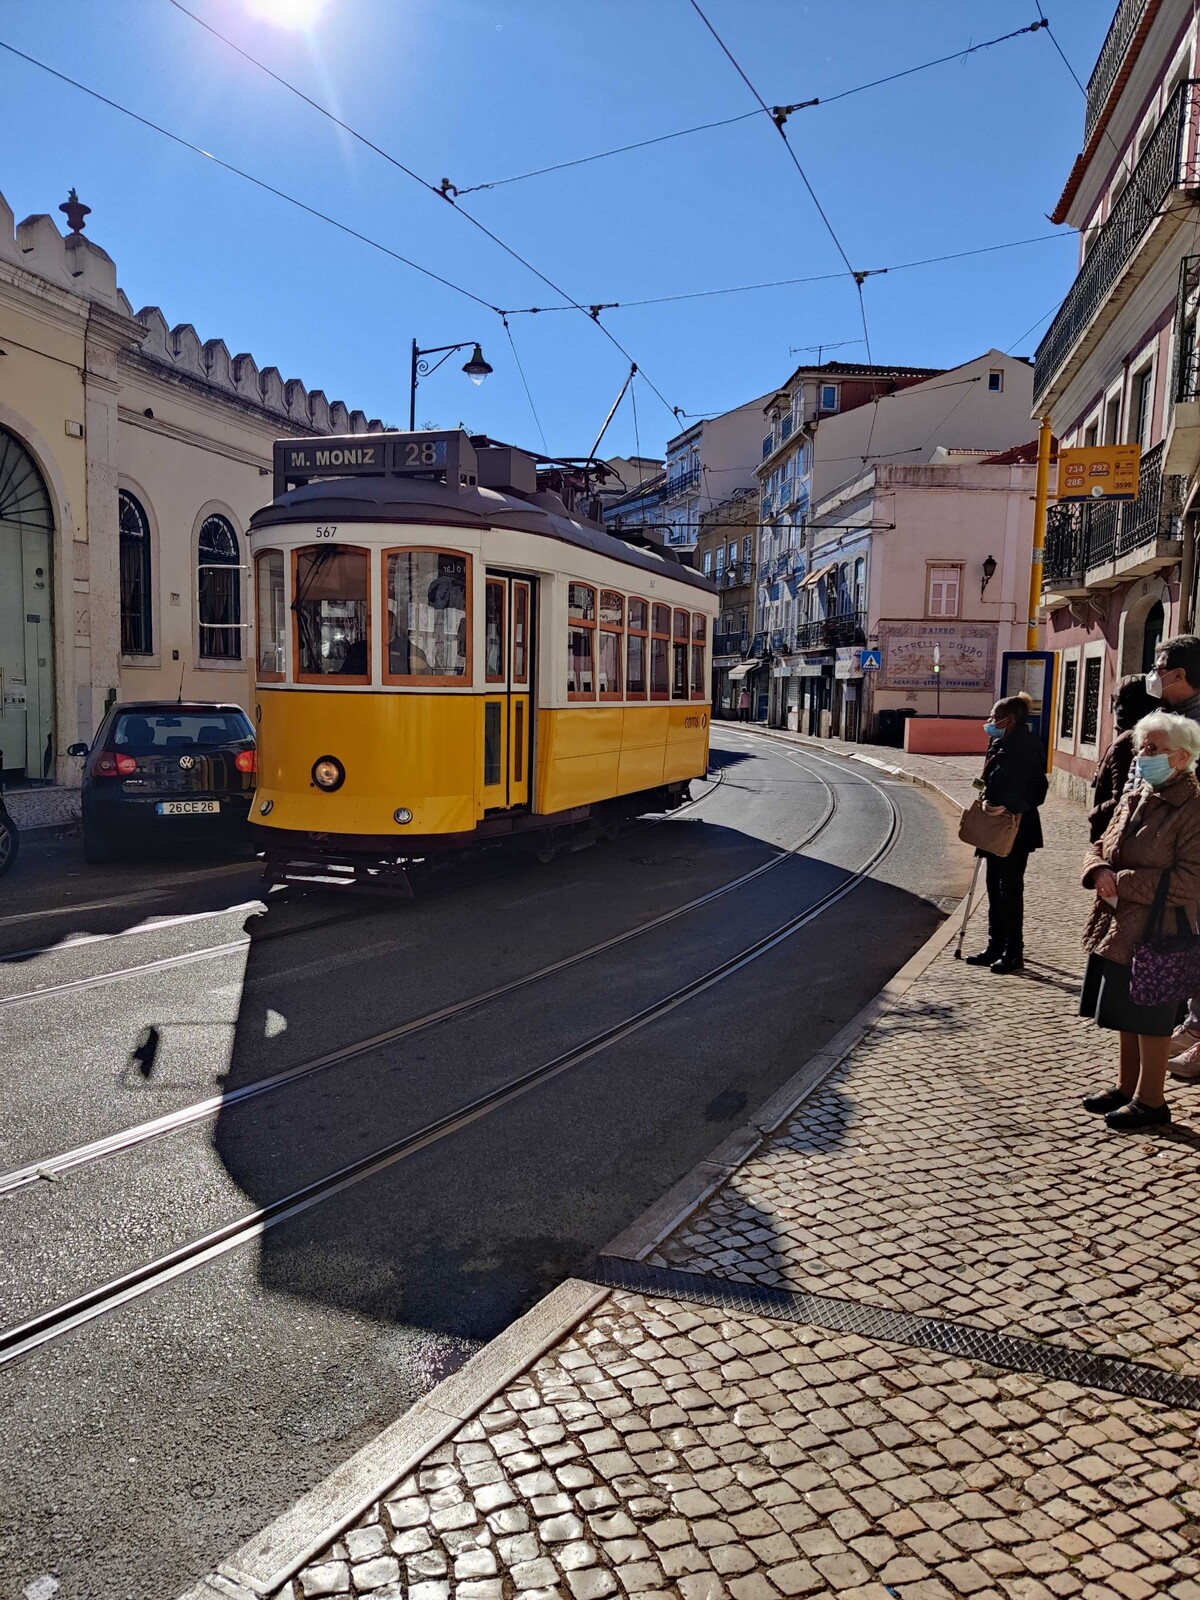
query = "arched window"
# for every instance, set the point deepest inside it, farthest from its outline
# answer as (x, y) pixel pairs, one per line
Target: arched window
(137, 609)
(220, 584)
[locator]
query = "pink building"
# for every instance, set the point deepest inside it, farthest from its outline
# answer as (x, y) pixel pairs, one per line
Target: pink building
(1119, 365)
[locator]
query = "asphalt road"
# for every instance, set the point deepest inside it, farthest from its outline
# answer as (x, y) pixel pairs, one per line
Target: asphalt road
(141, 1446)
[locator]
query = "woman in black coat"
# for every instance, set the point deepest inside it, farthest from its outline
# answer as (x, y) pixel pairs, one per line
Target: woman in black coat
(1014, 777)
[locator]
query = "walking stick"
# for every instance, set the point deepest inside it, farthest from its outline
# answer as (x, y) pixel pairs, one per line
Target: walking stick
(962, 932)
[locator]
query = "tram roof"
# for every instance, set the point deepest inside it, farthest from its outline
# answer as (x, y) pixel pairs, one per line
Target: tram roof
(392, 499)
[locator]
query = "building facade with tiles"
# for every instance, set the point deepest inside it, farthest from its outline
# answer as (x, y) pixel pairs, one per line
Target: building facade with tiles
(1118, 364)
(132, 456)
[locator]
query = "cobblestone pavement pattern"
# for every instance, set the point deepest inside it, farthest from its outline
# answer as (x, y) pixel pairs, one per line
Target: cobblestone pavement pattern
(946, 1167)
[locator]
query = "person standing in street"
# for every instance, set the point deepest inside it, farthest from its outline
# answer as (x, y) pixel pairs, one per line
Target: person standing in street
(1130, 704)
(743, 704)
(1175, 680)
(1014, 778)
(1155, 832)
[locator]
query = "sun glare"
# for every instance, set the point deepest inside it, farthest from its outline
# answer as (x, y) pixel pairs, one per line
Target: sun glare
(293, 14)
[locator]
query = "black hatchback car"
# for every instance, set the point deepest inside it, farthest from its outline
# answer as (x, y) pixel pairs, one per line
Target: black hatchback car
(162, 770)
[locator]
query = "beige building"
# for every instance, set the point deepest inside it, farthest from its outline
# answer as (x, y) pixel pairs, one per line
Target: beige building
(132, 456)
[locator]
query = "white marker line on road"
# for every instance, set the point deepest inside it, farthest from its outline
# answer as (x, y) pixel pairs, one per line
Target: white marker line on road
(155, 891)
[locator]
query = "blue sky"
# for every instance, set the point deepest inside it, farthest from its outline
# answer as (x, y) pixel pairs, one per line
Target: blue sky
(969, 154)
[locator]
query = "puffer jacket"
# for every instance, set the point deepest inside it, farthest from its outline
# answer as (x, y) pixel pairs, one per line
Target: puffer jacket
(1153, 829)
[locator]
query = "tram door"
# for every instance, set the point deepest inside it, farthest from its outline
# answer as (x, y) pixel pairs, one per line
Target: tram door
(507, 707)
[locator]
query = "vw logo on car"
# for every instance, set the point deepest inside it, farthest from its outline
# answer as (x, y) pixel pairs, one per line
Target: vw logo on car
(187, 762)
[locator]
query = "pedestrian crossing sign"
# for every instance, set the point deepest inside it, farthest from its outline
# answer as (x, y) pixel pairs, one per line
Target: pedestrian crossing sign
(871, 661)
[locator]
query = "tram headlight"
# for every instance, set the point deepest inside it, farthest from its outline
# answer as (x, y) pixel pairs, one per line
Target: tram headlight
(266, 808)
(328, 773)
(402, 815)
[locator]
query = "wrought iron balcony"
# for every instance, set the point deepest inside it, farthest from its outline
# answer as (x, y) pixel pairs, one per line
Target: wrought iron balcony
(831, 633)
(779, 640)
(1165, 165)
(681, 482)
(1109, 61)
(730, 644)
(1083, 536)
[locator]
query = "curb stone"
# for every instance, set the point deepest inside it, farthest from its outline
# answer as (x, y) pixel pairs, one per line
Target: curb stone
(268, 1560)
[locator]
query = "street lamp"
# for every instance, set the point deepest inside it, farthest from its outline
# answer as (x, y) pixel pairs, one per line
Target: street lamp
(989, 572)
(476, 368)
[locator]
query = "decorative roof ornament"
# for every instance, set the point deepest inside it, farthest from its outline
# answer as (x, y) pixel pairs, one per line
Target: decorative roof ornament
(75, 211)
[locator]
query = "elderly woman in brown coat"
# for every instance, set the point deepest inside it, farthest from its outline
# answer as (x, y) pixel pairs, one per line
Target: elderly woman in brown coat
(1156, 829)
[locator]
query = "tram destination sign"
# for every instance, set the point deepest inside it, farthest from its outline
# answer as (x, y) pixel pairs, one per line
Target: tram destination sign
(448, 456)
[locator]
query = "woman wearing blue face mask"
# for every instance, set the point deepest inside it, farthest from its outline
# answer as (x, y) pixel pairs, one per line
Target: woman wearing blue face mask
(1156, 829)
(1014, 779)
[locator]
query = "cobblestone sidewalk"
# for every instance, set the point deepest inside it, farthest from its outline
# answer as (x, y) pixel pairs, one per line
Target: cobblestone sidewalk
(670, 1447)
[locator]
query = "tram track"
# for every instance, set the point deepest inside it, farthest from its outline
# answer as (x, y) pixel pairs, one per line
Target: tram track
(35, 1333)
(53, 1167)
(358, 912)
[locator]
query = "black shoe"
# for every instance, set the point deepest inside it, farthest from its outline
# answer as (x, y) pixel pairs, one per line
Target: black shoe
(983, 958)
(1128, 1119)
(1109, 1100)
(1009, 964)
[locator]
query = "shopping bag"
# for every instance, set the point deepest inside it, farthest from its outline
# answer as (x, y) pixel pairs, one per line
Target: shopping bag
(994, 831)
(1166, 967)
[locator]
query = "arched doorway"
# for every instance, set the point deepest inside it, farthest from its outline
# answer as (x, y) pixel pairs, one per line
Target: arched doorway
(1152, 635)
(26, 624)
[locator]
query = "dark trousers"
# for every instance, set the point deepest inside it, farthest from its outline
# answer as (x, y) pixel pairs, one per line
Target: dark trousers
(1006, 902)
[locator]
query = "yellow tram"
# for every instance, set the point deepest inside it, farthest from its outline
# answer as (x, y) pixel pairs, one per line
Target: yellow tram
(447, 658)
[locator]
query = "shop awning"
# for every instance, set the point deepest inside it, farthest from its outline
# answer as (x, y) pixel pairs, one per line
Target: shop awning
(815, 577)
(744, 669)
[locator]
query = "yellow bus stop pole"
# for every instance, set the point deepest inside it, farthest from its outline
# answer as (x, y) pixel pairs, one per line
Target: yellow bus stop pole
(1040, 507)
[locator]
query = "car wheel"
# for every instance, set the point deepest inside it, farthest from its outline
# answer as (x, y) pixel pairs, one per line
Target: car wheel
(97, 846)
(9, 845)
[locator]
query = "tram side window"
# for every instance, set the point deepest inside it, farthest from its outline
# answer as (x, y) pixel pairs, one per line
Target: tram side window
(331, 611)
(699, 629)
(428, 615)
(660, 648)
(612, 624)
(639, 628)
(679, 657)
(272, 614)
(581, 642)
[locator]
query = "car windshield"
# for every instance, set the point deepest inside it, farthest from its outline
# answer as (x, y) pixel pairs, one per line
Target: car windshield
(145, 732)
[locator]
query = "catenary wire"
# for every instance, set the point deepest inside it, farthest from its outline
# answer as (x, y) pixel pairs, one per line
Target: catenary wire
(443, 192)
(249, 177)
(525, 383)
(745, 116)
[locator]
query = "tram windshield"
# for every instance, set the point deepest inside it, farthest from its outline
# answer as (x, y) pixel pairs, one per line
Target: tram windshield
(427, 605)
(331, 613)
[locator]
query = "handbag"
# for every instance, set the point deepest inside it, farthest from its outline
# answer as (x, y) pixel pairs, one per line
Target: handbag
(992, 831)
(1166, 967)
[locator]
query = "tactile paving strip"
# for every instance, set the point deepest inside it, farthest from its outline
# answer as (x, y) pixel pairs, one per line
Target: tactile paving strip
(1054, 1361)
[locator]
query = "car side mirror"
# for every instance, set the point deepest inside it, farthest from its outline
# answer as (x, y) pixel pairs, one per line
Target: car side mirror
(77, 750)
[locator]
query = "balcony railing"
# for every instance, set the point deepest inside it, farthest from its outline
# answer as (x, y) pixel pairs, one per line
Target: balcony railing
(1185, 379)
(1108, 62)
(1081, 536)
(831, 633)
(730, 644)
(1164, 167)
(682, 482)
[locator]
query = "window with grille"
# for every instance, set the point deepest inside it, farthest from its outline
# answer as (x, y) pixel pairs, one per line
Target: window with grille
(1089, 727)
(1070, 690)
(137, 629)
(220, 582)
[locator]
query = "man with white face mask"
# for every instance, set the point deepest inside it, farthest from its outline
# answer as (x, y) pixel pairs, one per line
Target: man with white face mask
(1175, 681)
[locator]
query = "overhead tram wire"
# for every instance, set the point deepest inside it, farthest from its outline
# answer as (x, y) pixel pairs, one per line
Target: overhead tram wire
(443, 192)
(249, 177)
(745, 116)
(525, 382)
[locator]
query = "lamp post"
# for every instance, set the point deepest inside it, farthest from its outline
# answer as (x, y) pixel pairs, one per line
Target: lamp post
(476, 368)
(989, 572)
(937, 674)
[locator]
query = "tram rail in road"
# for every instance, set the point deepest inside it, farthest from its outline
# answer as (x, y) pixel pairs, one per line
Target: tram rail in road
(34, 1333)
(51, 1167)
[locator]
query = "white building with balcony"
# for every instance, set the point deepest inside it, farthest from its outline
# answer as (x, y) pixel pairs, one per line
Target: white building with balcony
(707, 463)
(1119, 365)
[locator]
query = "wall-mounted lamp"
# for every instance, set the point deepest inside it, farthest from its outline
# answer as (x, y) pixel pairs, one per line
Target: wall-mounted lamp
(989, 572)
